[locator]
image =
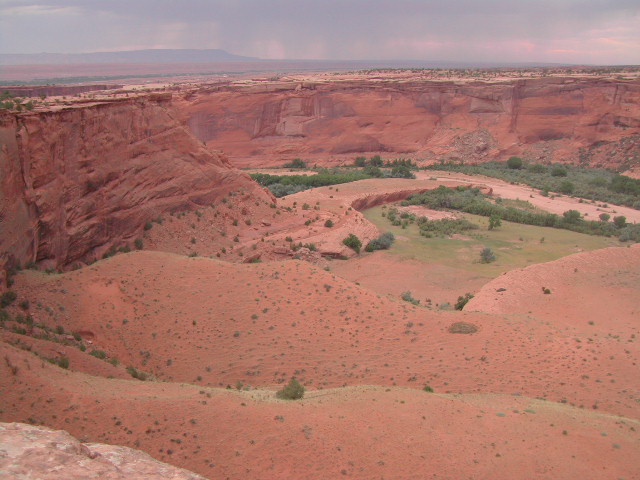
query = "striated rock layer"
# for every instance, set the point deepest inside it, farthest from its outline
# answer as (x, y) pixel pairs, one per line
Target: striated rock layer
(78, 180)
(594, 121)
(32, 452)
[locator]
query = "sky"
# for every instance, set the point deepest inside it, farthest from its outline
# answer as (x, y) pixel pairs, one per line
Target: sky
(605, 32)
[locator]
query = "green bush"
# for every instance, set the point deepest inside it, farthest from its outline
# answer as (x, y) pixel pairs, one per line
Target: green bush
(462, 301)
(353, 242)
(383, 242)
(487, 255)
(296, 163)
(494, 221)
(514, 163)
(292, 391)
(137, 374)
(407, 297)
(567, 187)
(328, 223)
(558, 171)
(98, 354)
(620, 221)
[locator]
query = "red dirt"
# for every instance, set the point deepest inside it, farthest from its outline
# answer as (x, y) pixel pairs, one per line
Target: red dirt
(363, 432)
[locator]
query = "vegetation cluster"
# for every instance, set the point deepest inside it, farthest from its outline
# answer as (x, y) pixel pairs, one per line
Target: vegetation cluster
(471, 200)
(593, 184)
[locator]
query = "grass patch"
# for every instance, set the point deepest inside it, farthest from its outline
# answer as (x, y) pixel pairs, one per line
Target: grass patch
(516, 245)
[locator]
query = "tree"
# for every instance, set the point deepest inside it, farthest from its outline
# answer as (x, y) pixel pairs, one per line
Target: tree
(494, 221)
(360, 161)
(376, 161)
(572, 216)
(292, 391)
(620, 221)
(353, 242)
(605, 217)
(514, 163)
(296, 163)
(373, 171)
(487, 255)
(401, 171)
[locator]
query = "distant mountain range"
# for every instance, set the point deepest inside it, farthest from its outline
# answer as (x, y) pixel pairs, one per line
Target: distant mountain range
(131, 56)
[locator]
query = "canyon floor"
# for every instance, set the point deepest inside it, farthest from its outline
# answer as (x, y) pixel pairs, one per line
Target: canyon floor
(218, 312)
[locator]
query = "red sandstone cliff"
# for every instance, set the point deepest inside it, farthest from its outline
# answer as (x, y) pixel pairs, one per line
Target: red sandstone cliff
(77, 180)
(595, 121)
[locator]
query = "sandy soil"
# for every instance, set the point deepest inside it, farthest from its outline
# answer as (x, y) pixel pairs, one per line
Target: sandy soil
(363, 432)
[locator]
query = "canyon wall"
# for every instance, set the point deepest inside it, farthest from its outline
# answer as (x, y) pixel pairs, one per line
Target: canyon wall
(76, 180)
(592, 121)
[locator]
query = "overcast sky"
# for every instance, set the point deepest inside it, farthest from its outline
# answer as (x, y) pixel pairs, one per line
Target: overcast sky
(566, 31)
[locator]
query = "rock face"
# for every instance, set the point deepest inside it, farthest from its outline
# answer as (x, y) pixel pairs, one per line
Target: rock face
(549, 119)
(78, 180)
(41, 453)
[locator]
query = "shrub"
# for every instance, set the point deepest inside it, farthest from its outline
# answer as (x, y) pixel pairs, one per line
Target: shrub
(98, 354)
(487, 255)
(566, 187)
(383, 242)
(605, 217)
(292, 391)
(139, 243)
(462, 301)
(7, 298)
(558, 171)
(353, 242)
(494, 221)
(428, 389)
(514, 163)
(630, 233)
(296, 163)
(407, 297)
(376, 161)
(373, 171)
(620, 221)
(463, 327)
(401, 171)
(63, 362)
(328, 223)
(137, 374)
(572, 216)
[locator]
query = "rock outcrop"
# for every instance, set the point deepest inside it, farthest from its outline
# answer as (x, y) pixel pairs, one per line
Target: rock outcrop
(588, 120)
(32, 452)
(77, 180)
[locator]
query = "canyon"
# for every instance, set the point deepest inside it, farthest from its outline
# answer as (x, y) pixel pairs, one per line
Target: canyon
(154, 297)
(84, 174)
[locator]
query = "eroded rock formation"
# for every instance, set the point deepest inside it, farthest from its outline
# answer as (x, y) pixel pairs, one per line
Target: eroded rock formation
(595, 121)
(77, 180)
